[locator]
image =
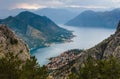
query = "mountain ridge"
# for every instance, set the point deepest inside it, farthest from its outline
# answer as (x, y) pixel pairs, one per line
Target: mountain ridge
(107, 19)
(43, 30)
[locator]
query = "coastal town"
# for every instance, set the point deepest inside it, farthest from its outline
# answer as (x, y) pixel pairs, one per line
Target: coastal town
(63, 59)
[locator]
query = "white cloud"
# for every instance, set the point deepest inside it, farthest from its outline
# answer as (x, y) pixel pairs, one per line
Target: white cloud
(88, 6)
(116, 1)
(53, 3)
(35, 4)
(28, 6)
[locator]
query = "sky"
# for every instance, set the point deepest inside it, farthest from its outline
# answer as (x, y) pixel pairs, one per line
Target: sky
(38, 4)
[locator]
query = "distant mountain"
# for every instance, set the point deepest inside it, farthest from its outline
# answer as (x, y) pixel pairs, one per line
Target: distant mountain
(35, 30)
(57, 15)
(107, 19)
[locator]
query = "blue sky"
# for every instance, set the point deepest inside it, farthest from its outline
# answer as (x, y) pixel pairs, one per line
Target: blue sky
(36, 4)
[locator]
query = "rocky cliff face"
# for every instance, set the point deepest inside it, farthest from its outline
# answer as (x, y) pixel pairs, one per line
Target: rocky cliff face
(110, 46)
(10, 43)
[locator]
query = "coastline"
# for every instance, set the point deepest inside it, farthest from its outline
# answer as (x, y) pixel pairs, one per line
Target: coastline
(68, 40)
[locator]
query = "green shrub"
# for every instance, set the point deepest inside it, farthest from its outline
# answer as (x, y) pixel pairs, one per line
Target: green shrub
(13, 68)
(98, 69)
(13, 41)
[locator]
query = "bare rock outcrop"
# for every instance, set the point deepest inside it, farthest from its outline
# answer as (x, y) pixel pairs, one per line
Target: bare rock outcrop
(10, 43)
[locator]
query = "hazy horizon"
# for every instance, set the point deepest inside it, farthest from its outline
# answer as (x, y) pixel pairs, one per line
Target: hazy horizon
(38, 4)
(12, 7)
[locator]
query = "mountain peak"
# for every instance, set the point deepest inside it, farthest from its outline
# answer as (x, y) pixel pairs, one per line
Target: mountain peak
(9, 17)
(117, 9)
(107, 19)
(88, 12)
(36, 30)
(27, 14)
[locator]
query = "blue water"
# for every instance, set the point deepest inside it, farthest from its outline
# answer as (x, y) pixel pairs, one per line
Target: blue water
(85, 38)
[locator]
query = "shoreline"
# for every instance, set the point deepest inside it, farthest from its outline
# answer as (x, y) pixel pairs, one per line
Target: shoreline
(32, 50)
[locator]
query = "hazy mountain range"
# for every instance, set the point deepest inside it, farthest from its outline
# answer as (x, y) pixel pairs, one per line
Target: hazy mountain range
(57, 15)
(107, 19)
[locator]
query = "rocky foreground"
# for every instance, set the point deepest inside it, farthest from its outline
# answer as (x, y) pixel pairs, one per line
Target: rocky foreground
(10, 43)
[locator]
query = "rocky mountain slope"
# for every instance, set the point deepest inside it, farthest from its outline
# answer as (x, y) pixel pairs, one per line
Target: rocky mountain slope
(110, 46)
(35, 30)
(106, 48)
(10, 43)
(107, 19)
